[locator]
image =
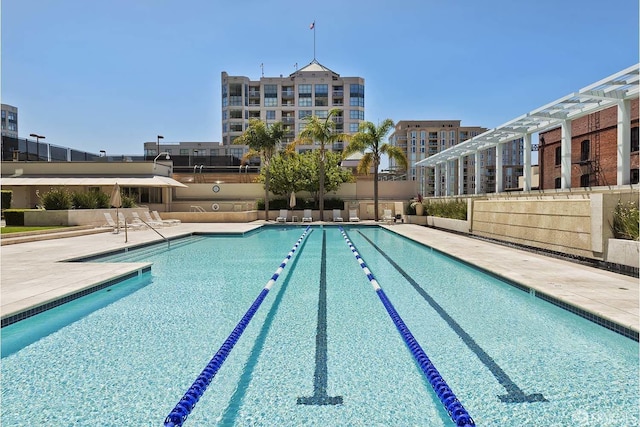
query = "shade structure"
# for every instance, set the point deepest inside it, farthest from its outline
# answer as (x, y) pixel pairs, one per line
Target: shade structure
(292, 200)
(116, 202)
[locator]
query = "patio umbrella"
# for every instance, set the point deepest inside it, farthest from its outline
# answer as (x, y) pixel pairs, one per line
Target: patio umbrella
(292, 200)
(116, 202)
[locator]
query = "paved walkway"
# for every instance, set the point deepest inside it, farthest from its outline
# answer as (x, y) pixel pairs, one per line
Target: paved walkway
(32, 273)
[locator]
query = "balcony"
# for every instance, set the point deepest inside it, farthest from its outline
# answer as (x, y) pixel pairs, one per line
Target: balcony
(254, 94)
(337, 103)
(288, 120)
(338, 93)
(337, 119)
(288, 94)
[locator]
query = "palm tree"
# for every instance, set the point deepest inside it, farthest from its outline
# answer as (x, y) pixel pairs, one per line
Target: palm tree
(322, 131)
(368, 140)
(263, 140)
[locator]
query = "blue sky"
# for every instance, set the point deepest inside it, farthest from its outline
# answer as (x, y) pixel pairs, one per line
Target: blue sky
(110, 75)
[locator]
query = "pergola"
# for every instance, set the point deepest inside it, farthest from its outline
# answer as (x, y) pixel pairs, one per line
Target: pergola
(616, 90)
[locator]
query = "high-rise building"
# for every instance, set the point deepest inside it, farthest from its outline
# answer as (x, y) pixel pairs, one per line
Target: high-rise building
(9, 121)
(311, 90)
(420, 139)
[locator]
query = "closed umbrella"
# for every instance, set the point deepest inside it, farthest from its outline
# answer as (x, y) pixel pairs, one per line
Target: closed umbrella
(292, 200)
(116, 202)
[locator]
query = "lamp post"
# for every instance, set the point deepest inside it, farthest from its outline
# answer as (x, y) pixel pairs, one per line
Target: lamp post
(37, 137)
(158, 144)
(164, 153)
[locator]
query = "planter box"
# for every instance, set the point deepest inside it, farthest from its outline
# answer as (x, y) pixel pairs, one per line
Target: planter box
(415, 219)
(457, 225)
(623, 252)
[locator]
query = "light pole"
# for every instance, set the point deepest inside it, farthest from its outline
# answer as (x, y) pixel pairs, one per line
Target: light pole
(164, 153)
(37, 137)
(158, 144)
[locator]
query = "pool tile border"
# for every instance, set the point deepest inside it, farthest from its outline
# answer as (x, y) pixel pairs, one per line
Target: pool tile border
(67, 298)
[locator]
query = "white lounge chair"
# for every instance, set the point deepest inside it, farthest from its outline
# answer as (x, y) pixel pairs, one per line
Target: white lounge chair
(138, 220)
(388, 216)
(353, 216)
(306, 216)
(133, 224)
(121, 222)
(337, 216)
(283, 215)
(155, 215)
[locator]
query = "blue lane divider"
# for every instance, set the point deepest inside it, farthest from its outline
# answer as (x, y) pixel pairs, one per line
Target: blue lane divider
(186, 404)
(456, 411)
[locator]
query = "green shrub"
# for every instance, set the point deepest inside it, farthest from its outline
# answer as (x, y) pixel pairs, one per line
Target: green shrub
(411, 209)
(5, 202)
(127, 201)
(57, 199)
(274, 204)
(454, 209)
(14, 217)
(625, 221)
(90, 200)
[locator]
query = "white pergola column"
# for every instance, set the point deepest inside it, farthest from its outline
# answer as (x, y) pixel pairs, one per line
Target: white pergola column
(460, 175)
(624, 143)
(565, 154)
(436, 180)
(447, 178)
(526, 170)
(499, 178)
(476, 171)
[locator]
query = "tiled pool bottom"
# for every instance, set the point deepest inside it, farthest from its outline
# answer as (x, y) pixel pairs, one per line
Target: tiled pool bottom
(130, 362)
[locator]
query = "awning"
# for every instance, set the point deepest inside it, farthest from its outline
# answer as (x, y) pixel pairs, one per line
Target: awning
(154, 181)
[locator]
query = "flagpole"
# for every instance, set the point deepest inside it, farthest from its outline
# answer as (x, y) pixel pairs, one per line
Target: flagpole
(314, 40)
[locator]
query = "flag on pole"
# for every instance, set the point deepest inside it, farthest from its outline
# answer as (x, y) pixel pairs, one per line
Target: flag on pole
(312, 26)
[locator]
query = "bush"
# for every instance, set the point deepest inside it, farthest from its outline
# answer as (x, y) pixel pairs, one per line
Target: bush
(274, 204)
(14, 217)
(57, 199)
(127, 201)
(91, 200)
(454, 209)
(626, 221)
(5, 202)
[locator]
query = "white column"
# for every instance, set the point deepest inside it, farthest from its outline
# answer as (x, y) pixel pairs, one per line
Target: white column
(436, 180)
(477, 171)
(624, 142)
(447, 178)
(460, 175)
(527, 161)
(565, 154)
(499, 178)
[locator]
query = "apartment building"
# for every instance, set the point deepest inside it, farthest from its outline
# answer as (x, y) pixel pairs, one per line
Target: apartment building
(423, 138)
(311, 90)
(9, 121)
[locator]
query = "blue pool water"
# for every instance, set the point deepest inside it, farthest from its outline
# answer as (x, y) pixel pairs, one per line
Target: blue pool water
(510, 358)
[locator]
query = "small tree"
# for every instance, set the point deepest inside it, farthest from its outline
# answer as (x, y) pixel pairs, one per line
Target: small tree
(368, 140)
(263, 140)
(57, 199)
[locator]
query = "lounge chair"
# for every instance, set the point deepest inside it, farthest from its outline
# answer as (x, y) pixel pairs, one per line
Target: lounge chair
(353, 216)
(138, 220)
(155, 215)
(133, 224)
(337, 215)
(147, 217)
(121, 222)
(306, 216)
(388, 216)
(283, 215)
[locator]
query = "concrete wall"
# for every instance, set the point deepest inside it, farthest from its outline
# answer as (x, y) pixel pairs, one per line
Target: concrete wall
(75, 217)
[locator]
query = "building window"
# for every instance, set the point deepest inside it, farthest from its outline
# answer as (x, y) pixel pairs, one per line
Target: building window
(322, 90)
(634, 139)
(304, 90)
(271, 114)
(356, 114)
(584, 151)
(184, 151)
(271, 102)
(585, 180)
(557, 183)
(305, 102)
(321, 114)
(635, 175)
(558, 157)
(304, 113)
(353, 127)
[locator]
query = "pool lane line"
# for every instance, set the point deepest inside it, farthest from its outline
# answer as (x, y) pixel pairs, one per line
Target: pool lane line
(514, 393)
(186, 404)
(454, 407)
(320, 377)
(230, 414)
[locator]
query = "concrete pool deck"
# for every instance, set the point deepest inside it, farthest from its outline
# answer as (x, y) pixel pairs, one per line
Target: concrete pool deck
(33, 273)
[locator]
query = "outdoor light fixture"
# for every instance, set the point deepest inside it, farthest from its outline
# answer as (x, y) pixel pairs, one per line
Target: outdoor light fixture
(164, 153)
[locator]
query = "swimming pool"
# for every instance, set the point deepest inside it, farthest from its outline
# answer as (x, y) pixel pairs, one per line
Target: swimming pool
(510, 358)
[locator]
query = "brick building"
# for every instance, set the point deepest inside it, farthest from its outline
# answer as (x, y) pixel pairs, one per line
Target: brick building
(593, 150)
